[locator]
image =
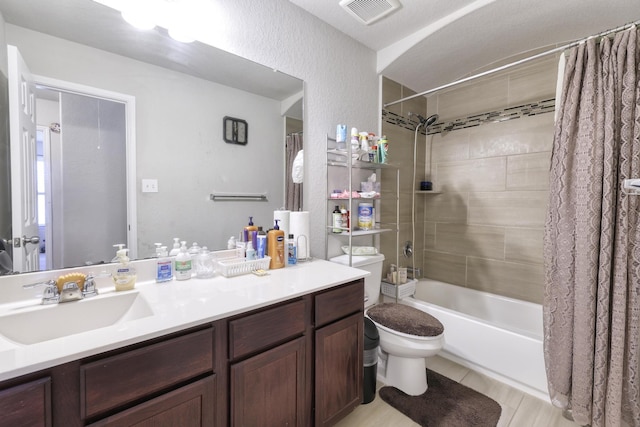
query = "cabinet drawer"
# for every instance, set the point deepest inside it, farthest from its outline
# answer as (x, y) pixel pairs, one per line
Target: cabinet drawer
(27, 404)
(338, 303)
(191, 405)
(264, 329)
(117, 380)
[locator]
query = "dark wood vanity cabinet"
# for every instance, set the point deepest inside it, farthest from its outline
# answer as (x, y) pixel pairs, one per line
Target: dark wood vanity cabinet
(164, 383)
(295, 363)
(27, 404)
(339, 348)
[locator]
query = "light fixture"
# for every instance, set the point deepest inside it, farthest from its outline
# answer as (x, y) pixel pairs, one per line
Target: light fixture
(138, 17)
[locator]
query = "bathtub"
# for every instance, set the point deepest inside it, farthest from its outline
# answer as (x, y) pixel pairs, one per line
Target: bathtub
(494, 335)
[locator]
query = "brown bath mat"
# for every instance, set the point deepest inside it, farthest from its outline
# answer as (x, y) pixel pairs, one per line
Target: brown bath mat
(446, 403)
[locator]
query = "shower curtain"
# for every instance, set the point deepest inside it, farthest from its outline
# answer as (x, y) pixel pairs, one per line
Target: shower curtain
(592, 237)
(293, 191)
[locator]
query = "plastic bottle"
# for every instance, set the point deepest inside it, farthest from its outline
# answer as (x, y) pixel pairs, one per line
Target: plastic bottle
(250, 253)
(176, 247)
(231, 243)
(346, 220)
(336, 220)
(261, 245)
(246, 234)
(383, 147)
(341, 137)
(275, 246)
(124, 276)
(164, 266)
(292, 251)
(183, 265)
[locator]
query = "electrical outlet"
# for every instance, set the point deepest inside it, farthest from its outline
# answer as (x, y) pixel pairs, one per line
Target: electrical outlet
(149, 185)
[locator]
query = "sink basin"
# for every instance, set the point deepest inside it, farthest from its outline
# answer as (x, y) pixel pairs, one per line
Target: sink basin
(46, 322)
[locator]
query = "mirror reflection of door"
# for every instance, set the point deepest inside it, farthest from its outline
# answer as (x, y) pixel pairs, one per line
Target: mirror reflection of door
(22, 124)
(84, 181)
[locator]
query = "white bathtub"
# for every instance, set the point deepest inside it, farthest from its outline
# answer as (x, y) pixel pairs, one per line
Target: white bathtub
(497, 336)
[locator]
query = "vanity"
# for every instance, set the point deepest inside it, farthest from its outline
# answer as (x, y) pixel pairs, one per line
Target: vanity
(282, 349)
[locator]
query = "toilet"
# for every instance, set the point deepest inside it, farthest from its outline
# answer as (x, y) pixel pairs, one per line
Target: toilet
(407, 335)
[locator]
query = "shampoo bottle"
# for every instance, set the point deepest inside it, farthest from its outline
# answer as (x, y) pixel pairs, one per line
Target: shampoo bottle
(261, 245)
(124, 276)
(251, 253)
(164, 266)
(275, 244)
(183, 263)
(336, 217)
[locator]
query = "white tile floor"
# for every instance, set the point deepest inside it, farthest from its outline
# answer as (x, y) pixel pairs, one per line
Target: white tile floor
(518, 409)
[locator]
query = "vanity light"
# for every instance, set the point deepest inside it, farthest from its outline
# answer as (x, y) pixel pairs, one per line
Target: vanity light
(179, 34)
(138, 18)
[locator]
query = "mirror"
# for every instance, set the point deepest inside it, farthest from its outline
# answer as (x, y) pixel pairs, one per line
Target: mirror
(182, 93)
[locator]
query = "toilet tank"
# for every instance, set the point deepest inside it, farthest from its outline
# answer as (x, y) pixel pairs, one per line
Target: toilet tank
(372, 264)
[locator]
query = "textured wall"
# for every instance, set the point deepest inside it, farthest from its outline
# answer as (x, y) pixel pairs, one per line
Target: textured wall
(484, 230)
(341, 85)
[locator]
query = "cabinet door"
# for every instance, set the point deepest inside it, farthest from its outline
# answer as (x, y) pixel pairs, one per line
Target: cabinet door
(269, 389)
(27, 404)
(339, 371)
(188, 406)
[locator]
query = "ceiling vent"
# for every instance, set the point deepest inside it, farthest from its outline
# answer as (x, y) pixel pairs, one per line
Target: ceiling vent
(370, 11)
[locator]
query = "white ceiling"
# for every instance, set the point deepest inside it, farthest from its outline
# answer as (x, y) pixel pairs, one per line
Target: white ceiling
(429, 43)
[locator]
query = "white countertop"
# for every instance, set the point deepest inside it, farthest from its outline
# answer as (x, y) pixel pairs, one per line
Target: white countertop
(176, 305)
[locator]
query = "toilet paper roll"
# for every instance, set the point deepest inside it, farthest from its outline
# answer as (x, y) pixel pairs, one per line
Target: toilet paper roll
(299, 223)
(283, 221)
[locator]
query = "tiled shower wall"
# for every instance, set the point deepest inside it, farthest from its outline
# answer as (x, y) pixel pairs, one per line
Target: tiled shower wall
(484, 229)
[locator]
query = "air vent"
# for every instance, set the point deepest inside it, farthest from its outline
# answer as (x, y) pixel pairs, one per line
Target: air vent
(370, 11)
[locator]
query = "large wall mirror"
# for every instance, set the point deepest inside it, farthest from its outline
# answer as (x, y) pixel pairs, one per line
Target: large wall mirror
(98, 81)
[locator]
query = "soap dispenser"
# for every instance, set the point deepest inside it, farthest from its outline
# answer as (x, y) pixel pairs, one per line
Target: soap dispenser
(176, 247)
(183, 265)
(164, 266)
(124, 276)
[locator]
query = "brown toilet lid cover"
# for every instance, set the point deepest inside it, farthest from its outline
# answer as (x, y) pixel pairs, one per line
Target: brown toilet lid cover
(405, 319)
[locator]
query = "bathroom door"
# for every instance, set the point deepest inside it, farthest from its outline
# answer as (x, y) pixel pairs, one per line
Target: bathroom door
(22, 125)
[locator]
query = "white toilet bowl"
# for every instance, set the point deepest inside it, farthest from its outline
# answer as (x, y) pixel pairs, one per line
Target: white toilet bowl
(405, 353)
(407, 335)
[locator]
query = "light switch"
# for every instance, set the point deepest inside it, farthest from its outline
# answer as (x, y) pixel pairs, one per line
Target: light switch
(149, 185)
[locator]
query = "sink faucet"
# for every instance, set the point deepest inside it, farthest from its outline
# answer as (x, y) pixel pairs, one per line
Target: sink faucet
(70, 291)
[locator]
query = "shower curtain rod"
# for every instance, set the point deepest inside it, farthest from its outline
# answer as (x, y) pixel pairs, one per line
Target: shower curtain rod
(513, 64)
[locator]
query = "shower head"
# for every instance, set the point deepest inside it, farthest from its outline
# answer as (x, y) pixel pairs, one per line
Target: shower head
(425, 122)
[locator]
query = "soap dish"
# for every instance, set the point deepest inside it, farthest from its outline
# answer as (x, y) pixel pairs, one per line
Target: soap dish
(237, 266)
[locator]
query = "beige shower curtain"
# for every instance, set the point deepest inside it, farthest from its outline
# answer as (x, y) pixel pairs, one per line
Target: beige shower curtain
(592, 237)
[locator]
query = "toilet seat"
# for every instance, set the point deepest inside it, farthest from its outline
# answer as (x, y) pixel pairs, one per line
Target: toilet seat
(406, 320)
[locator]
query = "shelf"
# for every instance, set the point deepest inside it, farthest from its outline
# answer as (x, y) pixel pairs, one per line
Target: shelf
(345, 232)
(428, 192)
(358, 164)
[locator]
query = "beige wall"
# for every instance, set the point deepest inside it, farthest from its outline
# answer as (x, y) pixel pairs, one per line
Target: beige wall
(484, 230)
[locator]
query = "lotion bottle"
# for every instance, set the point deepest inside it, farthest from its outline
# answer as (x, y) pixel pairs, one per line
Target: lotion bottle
(275, 244)
(176, 247)
(246, 234)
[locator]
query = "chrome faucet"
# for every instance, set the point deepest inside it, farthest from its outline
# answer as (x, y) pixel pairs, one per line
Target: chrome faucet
(70, 291)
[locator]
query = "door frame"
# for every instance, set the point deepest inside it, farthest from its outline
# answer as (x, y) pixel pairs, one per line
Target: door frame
(129, 102)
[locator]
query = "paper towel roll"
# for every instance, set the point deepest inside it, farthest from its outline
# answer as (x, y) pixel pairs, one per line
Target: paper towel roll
(283, 221)
(299, 223)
